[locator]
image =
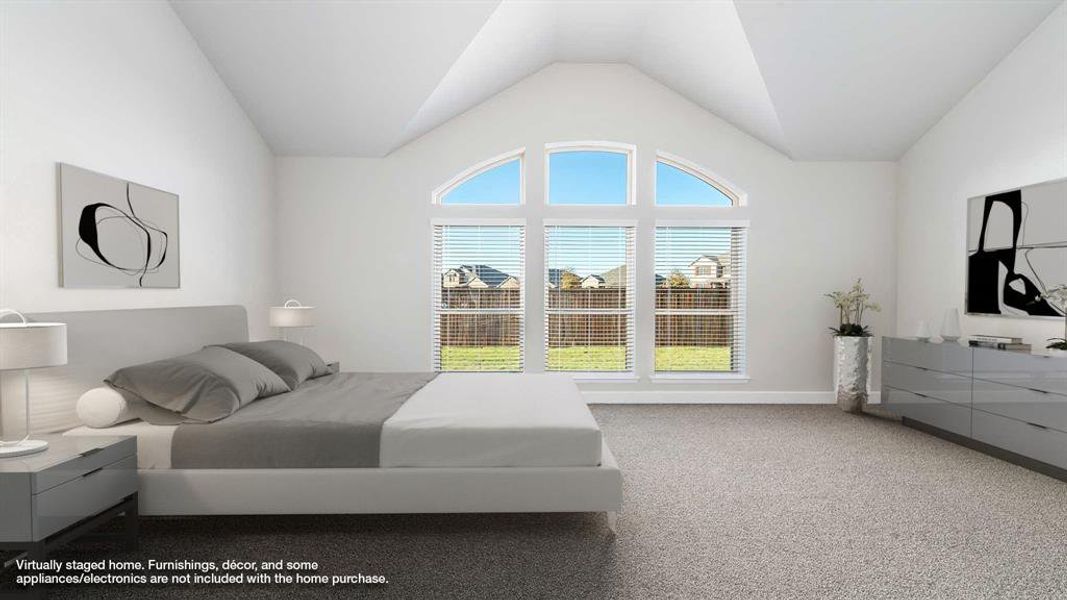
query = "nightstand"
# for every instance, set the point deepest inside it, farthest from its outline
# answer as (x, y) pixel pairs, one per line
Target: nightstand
(77, 484)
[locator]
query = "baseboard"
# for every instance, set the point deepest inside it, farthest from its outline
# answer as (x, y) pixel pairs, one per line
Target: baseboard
(710, 397)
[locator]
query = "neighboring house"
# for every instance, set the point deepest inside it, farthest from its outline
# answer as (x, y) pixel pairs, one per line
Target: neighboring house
(710, 271)
(554, 277)
(478, 277)
(593, 281)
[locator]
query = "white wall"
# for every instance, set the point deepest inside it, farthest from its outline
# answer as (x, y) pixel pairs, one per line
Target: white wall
(355, 233)
(1009, 131)
(122, 88)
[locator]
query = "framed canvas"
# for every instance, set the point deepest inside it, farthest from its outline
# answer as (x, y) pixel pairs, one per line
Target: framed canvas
(115, 233)
(1017, 250)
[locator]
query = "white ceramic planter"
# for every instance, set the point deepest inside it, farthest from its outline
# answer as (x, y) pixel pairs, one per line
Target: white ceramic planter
(852, 372)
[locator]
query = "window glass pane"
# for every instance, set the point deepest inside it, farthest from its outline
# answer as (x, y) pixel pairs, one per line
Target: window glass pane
(478, 300)
(675, 187)
(499, 185)
(587, 177)
(700, 299)
(589, 309)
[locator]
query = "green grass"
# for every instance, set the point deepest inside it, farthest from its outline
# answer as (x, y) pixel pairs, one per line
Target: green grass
(585, 358)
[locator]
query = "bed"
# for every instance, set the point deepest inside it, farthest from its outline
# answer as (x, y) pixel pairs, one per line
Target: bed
(462, 443)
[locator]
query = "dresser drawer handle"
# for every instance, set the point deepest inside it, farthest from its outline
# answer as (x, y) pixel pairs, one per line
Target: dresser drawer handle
(1038, 425)
(93, 472)
(90, 452)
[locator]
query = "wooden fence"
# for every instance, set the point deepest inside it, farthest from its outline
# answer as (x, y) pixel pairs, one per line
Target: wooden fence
(567, 330)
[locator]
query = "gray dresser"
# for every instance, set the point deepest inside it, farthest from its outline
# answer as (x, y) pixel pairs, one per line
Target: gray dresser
(1009, 404)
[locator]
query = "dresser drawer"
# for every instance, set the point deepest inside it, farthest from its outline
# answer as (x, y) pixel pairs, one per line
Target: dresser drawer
(943, 386)
(947, 357)
(93, 453)
(1044, 373)
(1042, 408)
(1046, 445)
(89, 494)
(941, 414)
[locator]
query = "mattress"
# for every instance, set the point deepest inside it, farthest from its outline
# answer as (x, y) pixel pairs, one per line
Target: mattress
(493, 420)
(457, 420)
(153, 441)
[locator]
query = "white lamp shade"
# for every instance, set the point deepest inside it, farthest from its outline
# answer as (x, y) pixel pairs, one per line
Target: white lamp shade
(31, 345)
(292, 316)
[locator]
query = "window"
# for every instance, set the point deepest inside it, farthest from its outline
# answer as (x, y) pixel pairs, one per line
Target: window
(590, 174)
(679, 183)
(700, 298)
(589, 298)
(479, 303)
(497, 181)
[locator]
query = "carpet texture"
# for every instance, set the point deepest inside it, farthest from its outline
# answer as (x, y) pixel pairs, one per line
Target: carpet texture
(720, 502)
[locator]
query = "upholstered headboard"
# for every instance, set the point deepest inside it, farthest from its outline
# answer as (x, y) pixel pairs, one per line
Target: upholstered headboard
(101, 341)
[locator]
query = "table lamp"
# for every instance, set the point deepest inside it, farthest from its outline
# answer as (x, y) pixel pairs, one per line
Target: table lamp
(291, 314)
(25, 346)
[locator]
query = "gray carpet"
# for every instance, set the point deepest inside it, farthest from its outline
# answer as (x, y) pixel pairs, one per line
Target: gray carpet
(721, 502)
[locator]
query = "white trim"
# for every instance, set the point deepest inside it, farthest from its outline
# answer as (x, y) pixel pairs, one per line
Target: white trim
(630, 150)
(736, 195)
(602, 376)
(594, 396)
(486, 165)
(590, 223)
(702, 223)
(698, 377)
(476, 221)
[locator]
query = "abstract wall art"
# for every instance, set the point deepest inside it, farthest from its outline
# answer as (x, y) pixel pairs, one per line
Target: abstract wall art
(1016, 250)
(115, 233)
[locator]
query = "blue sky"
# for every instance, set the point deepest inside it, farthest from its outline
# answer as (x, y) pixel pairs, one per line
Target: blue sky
(585, 177)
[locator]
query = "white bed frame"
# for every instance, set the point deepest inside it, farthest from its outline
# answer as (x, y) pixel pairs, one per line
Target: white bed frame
(101, 341)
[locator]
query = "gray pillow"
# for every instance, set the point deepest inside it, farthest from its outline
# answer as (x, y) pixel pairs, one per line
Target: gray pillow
(204, 386)
(294, 363)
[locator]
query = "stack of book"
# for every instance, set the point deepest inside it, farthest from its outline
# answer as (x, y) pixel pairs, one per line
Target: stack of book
(998, 342)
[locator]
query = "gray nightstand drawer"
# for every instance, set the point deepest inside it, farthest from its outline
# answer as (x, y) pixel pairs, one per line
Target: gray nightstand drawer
(92, 453)
(943, 386)
(1024, 370)
(84, 496)
(939, 413)
(1042, 408)
(947, 357)
(1046, 445)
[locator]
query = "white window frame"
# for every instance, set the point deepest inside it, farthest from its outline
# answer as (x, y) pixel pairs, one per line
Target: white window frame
(630, 375)
(697, 376)
(737, 197)
(435, 284)
(438, 195)
(629, 150)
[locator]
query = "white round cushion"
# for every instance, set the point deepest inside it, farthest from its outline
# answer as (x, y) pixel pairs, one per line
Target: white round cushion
(103, 407)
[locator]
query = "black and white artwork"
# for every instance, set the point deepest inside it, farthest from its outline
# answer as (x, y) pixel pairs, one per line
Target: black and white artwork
(115, 233)
(1017, 250)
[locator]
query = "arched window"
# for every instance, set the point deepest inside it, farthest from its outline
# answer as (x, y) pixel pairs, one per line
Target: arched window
(681, 183)
(497, 181)
(589, 174)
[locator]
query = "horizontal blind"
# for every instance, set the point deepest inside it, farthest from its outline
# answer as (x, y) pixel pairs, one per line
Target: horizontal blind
(700, 299)
(478, 297)
(589, 298)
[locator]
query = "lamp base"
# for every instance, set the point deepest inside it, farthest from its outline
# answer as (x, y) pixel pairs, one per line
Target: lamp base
(23, 448)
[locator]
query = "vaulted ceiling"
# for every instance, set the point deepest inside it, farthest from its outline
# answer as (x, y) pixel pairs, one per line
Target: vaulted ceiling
(818, 80)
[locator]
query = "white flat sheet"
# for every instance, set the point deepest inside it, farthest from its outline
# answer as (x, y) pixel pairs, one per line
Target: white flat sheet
(457, 420)
(153, 441)
(493, 420)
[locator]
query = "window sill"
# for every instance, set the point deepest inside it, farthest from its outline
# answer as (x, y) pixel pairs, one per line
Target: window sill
(699, 378)
(605, 377)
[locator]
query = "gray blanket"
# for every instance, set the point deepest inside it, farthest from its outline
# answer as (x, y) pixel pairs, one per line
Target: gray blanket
(332, 421)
